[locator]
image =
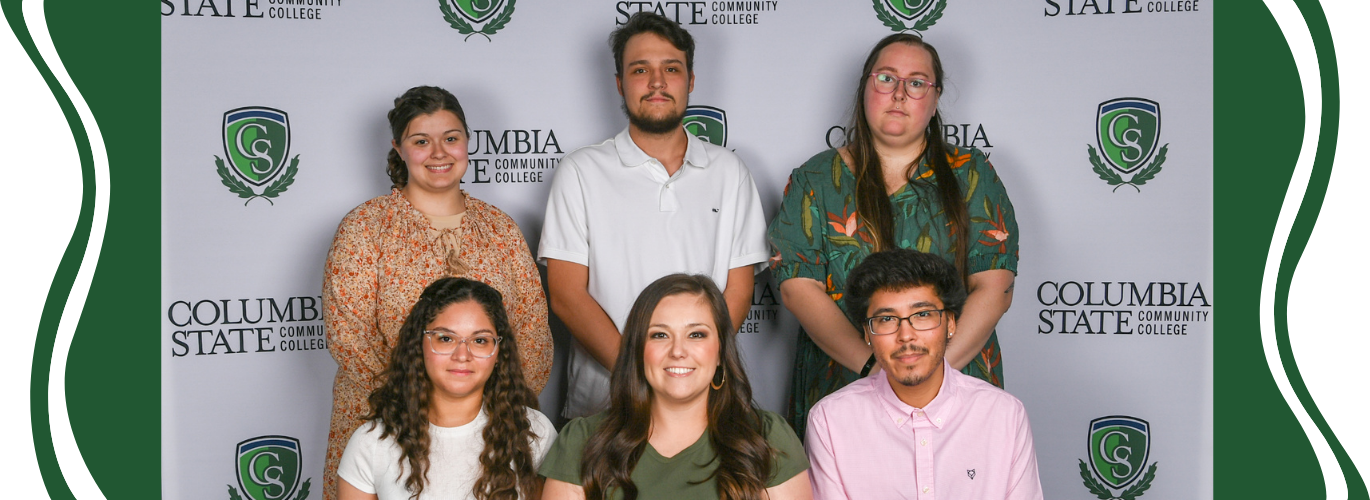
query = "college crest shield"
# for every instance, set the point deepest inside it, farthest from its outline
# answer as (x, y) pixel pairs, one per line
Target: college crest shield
(256, 142)
(909, 9)
(1127, 131)
(1118, 448)
(269, 467)
(477, 11)
(707, 123)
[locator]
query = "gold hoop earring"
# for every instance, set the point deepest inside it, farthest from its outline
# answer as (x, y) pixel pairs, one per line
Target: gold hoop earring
(720, 383)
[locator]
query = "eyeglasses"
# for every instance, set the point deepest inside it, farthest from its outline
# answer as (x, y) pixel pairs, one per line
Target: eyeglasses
(921, 320)
(445, 343)
(915, 88)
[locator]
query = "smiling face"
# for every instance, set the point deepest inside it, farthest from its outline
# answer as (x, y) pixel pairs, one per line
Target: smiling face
(894, 118)
(654, 83)
(433, 147)
(459, 375)
(681, 351)
(910, 358)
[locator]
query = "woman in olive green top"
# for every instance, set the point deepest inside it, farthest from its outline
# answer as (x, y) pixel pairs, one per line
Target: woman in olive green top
(681, 422)
(896, 184)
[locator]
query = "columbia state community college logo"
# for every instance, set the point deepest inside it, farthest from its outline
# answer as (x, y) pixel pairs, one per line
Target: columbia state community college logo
(707, 123)
(1127, 130)
(897, 14)
(465, 15)
(269, 469)
(1118, 449)
(256, 145)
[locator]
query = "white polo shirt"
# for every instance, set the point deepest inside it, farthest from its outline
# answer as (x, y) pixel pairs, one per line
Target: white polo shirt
(614, 210)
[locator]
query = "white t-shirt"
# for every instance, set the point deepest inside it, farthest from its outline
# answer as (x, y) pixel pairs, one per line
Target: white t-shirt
(372, 465)
(614, 209)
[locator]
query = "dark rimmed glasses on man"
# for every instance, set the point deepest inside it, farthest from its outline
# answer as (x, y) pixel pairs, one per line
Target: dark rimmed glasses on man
(921, 320)
(444, 343)
(915, 88)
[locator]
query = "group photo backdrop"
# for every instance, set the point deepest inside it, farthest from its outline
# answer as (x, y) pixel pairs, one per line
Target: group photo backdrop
(1099, 121)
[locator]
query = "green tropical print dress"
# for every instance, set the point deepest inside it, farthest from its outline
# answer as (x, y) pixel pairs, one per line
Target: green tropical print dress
(818, 235)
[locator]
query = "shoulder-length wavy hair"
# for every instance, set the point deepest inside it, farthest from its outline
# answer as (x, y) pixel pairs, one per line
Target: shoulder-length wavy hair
(872, 197)
(736, 426)
(415, 102)
(400, 404)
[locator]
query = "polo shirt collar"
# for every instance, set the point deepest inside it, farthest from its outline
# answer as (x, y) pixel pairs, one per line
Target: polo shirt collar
(938, 412)
(632, 156)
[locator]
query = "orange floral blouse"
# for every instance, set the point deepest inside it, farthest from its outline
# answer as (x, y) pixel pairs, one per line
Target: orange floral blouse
(384, 254)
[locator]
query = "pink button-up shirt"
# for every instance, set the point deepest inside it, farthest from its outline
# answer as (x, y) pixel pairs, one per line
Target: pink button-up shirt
(972, 441)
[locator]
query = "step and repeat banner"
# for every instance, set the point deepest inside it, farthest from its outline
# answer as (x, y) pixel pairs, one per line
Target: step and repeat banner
(1096, 114)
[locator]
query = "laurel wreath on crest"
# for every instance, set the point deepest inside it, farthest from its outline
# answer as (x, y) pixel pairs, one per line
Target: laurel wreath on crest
(304, 492)
(1103, 493)
(1138, 179)
(243, 191)
(923, 23)
(465, 28)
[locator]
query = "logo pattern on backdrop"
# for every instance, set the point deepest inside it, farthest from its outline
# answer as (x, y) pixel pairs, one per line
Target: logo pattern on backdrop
(464, 15)
(269, 469)
(897, 14)
(707, 123)
(1127, 131)
(1118, 449)
(256, 144)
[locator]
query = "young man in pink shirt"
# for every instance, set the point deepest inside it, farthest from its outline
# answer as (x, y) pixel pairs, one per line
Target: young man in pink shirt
(917, 428)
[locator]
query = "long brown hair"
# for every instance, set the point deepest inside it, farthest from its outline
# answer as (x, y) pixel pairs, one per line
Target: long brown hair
(401, 403)
(872, 196)
(416, 102)
(736, 427)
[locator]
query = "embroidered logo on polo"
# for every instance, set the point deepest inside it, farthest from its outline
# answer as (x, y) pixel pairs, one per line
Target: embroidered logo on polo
(1127, 130)
(256, 145)
(898, 14)
(465, 15)
(1118, 449)
(269, 469)
(707, 123)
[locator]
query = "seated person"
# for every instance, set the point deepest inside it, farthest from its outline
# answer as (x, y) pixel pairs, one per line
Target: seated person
(681, 422)
(453, 417)
(916, 422)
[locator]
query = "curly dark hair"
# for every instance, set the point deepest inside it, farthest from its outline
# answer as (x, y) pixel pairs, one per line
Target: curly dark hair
(737, 429)
(649, 22)
(901, 269)
(401, 403)
(416, 102)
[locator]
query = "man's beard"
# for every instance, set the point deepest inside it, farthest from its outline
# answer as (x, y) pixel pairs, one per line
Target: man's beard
(660, 125)
(913, 379)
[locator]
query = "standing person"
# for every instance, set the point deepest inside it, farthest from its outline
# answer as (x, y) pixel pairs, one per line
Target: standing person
(916, 427)
(454, 418)
(388, 249)
(649, 202)
(682, 423)
(896, 184)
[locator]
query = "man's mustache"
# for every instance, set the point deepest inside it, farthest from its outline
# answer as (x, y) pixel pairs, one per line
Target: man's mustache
(910, 349)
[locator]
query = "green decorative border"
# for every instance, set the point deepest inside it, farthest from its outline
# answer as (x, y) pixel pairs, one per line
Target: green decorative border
(113, 372)
(1253, 429)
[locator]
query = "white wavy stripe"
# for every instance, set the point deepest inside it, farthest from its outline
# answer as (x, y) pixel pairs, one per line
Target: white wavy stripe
(74, 469)
(1300, 42)
(43, 138)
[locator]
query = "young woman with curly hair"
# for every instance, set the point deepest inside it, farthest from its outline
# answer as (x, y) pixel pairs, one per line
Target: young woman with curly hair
(681, 422)
(387, 249)
(454, 417)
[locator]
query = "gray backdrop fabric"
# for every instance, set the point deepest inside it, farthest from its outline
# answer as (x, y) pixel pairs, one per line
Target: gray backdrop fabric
(1112, 312)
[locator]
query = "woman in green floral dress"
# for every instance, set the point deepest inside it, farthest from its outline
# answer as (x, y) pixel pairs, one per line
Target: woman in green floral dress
(896, 183)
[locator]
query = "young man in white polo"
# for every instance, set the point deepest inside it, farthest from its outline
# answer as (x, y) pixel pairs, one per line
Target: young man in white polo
(651, 201)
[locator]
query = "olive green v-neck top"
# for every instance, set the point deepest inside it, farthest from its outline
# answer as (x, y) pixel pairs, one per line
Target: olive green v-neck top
(682, 476)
